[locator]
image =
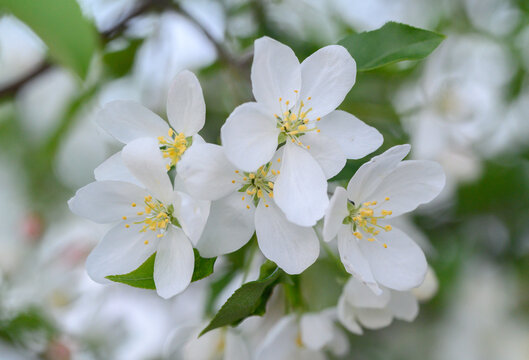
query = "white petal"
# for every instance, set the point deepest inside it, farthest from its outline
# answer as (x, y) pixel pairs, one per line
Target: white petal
(293, 248)
(276, 73)
(230, 225)
(174, 263)
(114, 169)
(301, 188)
(410, 184)
(339, 344)
(361, 296)
(355, 138)
(401, 266)
(206, 172)
(107, 201)
(346, 316)
(192, 214)
(404, 305)
(316, 330)
(186, 108)
(144, 160)
(335, 214)
(372, 173)
(374, 318)
(236, 348)
(249, 136)
(326, 152)
(128, 120)
(326, 77)
(121, 251)
(354, 261)
(280, 342)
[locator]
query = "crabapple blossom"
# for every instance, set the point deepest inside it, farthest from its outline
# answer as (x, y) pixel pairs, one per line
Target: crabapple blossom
(373, 251)
(186, 111)
(151, 216)
(244, 202)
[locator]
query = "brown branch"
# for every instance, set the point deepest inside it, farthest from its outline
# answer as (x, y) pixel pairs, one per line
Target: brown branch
(106, 36)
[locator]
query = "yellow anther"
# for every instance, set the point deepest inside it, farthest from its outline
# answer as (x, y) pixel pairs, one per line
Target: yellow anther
(248, 207)
(318, 119)
(296, 91)
(309, 98)
(159, 235)
(306, 121)
(308, 147)
(385, 246)
(160, 138)
(127, 226)
(371, 239)
(293, 140)
(243, 198)
(287, 102)
(280, 99)
(245, 178)
(270, 185)
(376, 232)
(236, 171)
(133, 204)
(278, 172)
(124, 218)
(293, 117)
(168, 167)
(358, 235)
(318, 130)
(146, 242)
(367, 203)
(373, 203)
(271, 194)
(387, 199)
(252, 176)
(366, 212)
(388, 228)
(386, 212)
(302, 127)
(259, 193)
(266, 205)
(373, 221)
(139, 213)
(278, 159)
(233, 181)
(148, 198)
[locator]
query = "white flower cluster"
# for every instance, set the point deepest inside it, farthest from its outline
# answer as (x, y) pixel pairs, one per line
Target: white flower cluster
(270, 176)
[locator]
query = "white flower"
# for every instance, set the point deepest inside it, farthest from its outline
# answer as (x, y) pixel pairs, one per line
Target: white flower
(244, 203)
(358, 305)
(147, 209)
(306, 337)
(385, 187)
(291, 99)
(186, 111)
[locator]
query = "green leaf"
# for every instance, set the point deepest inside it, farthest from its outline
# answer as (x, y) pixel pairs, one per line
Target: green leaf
(392, 43)
(203, 266)
(70, 37)
(120, 62)
(250, 299)
(143, 278)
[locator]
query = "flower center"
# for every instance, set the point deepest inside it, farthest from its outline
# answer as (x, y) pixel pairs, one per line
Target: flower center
(174, 146)
(364, 218)
(295, 123)
(156, 216)
(257, 185)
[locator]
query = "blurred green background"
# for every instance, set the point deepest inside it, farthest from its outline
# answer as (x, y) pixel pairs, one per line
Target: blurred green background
(466, 106)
